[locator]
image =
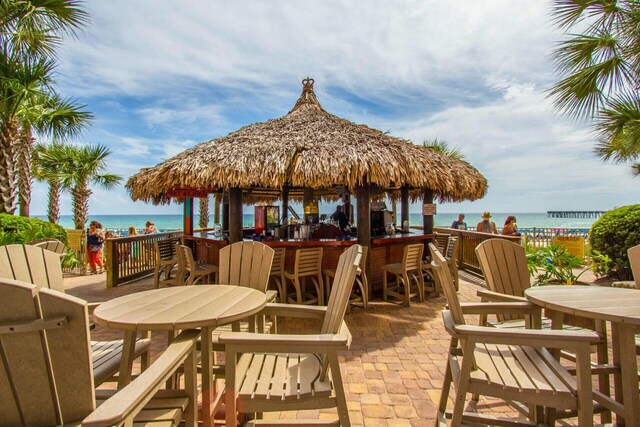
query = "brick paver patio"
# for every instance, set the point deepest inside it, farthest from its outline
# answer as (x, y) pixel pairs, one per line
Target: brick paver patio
(392, 373)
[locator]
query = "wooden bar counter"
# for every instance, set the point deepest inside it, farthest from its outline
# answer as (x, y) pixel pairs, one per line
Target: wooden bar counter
(384, 250)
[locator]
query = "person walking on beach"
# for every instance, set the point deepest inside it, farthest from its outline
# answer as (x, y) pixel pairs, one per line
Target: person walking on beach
(486, 226)
(150, 228)
(95, 238)
(459, 224)
(510, 228)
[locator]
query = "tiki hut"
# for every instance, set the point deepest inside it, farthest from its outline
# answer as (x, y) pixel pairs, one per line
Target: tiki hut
(310, 149)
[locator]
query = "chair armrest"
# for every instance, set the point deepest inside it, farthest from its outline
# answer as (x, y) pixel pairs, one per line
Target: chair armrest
(294, 310)
(488, 295)
(248, 342)
(131, 399)
(515, 308)
(529, 337)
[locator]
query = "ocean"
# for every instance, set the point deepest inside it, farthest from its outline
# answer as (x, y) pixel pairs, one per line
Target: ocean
(173, 222)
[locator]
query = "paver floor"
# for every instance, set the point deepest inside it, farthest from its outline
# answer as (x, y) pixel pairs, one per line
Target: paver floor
(392, 373)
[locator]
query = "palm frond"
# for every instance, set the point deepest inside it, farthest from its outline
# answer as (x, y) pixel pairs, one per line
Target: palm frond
(442, 146)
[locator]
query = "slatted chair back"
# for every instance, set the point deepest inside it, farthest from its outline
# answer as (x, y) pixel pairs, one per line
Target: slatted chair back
(341, 289)
(441, 241)
(308, 262)
(452, 248)
(47, 376)
(165, 249)
(412, 257)
(31, 264)
(504, 265)
(277, 266)
(186, 264)
(246, 264)
(51, 244)
(439, 265)
(634, 260)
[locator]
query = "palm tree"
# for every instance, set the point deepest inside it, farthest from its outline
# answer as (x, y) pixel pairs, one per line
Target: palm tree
(46, 161)
(599, 71)
(29, 33)
(83, 166)
(204, 212)
(441, 146)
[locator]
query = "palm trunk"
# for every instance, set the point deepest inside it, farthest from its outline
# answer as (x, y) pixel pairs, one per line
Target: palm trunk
(24, 169)
(204, 212)
(8, 176)
(80, 206)
(54, 201)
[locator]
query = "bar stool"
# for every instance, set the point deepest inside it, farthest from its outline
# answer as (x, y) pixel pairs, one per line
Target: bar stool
(452, 259)
(191, 272)
(361, 281)
(406, 272)
(166, 259)
(277, 272)
(308, 264)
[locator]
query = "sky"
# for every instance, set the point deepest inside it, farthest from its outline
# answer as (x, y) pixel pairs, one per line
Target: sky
(161, 77)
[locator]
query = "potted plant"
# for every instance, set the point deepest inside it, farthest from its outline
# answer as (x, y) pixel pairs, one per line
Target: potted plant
(554, 265)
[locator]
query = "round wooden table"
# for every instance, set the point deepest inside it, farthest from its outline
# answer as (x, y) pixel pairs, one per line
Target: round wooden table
(171, 309)
(619, 306)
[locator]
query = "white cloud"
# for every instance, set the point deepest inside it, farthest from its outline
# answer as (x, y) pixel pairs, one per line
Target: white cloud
(163, 76)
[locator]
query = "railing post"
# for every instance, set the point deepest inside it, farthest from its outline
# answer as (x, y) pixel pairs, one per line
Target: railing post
(112, 262)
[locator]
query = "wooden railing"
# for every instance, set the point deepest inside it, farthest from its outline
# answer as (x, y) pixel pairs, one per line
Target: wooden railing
(132, 257)
(467, 259)
(540, 236)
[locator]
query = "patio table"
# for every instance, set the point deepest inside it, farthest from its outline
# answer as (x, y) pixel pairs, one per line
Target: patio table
(172, 309)
(619, 306)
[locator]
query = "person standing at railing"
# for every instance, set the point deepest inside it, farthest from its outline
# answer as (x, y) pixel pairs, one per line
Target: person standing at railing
(150, 228)
(95, 238)
(486, 226)
(459, 224)
(510, 228)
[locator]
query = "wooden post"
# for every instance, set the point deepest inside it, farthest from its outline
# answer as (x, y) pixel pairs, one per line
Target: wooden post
(363, 222)
(427, 220)
(111, 262)
(225, 211)
(235, 215)
(216, 207)
(188, 216)
(404, 205)
(307, 199)
(285, 213)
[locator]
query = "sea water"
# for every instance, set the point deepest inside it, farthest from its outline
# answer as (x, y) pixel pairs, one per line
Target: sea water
(174, 222)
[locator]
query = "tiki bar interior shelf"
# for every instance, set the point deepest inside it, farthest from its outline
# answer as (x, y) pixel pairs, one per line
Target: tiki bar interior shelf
(308, 156)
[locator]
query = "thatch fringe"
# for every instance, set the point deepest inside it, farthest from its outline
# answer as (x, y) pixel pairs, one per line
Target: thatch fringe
(310, 148)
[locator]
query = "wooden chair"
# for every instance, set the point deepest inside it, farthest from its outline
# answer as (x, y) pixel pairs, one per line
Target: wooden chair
(504, 265)
(308, 264)
(166, 260)
(361, 281)
(441, 241)
(277, 273)
(634, 261)
(512, 365)
(293, 372)
(40, 267)
(47, 375)
(406, 272)
(451, 255)
(189, 271)
(51, 244)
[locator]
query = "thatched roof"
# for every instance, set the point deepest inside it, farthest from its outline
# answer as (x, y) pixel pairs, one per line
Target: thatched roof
(309, 147)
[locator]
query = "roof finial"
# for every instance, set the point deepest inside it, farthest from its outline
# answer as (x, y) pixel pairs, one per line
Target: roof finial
(308, 96)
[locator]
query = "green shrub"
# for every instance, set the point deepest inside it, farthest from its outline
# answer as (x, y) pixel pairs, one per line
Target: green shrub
(19, 229)
(614, 233)
(553, 263)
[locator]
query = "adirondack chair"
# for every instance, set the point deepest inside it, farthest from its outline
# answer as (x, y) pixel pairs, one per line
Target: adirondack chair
(40, 267)
(166, 260)
(504, 264)
(634, 261)
(47, 375)
(406, 272)
(513, 365)
(277, 273)
(305, 367)
(51, 244)
(362, 283)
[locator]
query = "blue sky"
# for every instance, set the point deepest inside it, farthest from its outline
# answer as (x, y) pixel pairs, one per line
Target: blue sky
(161, 77)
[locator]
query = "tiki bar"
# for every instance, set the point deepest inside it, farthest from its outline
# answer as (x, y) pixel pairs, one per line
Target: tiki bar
(310, 155)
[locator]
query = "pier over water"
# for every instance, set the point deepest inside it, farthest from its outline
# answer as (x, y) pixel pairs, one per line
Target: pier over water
(574, 214)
